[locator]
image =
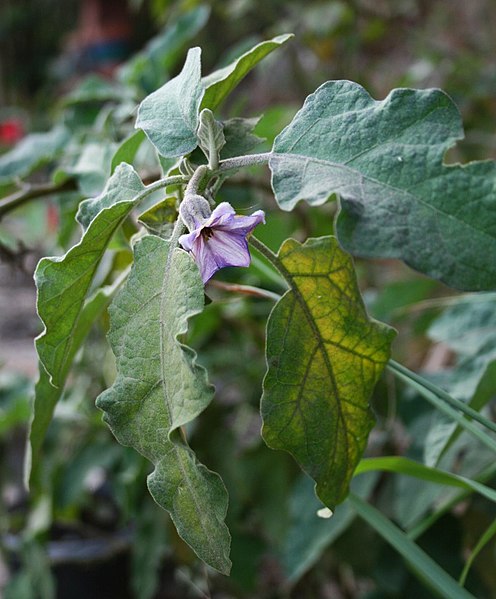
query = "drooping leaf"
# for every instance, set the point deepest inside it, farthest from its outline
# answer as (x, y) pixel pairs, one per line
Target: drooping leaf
(46, 395)
(169, 116)
(63, 282)
(151, 67)
(160, 387)
(220, 83)
(324, 357)
(398, 199)
(31, 152)
(128, 149)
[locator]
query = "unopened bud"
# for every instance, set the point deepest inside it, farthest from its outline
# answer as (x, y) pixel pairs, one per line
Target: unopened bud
(194, 210)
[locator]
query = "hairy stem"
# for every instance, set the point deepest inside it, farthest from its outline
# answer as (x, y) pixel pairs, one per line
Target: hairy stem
(241, 161)
(196, 180)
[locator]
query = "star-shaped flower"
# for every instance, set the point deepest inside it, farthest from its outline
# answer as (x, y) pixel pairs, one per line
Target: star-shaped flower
(219, 239)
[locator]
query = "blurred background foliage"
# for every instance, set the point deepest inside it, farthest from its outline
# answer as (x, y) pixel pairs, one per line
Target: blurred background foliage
(90, 529)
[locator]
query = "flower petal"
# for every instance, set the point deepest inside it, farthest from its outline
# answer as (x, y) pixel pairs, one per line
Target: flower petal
(188, 240)
(205, 259)
(242, 225)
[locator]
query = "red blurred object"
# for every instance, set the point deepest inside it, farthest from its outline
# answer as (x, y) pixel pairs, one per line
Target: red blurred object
(11, 131)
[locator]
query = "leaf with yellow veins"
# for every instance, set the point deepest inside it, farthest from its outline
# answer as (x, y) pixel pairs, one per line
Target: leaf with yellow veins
(324, 358)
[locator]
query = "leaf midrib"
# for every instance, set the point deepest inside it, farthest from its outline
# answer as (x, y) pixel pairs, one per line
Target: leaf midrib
(400, 190)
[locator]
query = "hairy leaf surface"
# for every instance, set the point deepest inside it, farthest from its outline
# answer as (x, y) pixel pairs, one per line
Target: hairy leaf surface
(63, 282)
(159, 387)
(324, 357)
(169, 116)
(220, 83)
(385, 161)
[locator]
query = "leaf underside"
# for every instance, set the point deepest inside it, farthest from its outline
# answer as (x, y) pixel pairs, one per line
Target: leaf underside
(384, 159)
(324, 358)
(160, 387)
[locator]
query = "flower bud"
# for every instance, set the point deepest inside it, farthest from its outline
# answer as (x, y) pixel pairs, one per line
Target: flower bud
(194, 209)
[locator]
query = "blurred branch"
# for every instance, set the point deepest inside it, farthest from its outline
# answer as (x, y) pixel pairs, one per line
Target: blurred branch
(32, 192)
(14, 257)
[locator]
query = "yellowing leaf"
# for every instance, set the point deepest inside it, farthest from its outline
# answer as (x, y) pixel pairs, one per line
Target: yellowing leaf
(324, 355)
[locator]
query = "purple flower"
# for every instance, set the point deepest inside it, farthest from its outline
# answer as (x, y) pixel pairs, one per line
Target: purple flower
(219, 240)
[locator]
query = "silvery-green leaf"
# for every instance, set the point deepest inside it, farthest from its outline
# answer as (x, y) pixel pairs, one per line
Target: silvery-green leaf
(385, 161)
(210, 134)
(169, 116)
(63, 282)
(160, 387)
(125, 183)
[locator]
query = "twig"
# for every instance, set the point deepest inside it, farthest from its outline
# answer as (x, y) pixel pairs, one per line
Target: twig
(245, 290)
(32, 192)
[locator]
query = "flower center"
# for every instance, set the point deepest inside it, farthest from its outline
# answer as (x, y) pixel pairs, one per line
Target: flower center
(207, 233)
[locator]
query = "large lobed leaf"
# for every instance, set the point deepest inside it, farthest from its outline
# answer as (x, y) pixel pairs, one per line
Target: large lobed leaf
(385, 161)
(159, 387)
(63, 282)
(324, 356)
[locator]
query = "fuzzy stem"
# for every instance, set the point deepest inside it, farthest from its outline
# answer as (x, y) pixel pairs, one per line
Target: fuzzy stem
(241, 161)
(196, 179)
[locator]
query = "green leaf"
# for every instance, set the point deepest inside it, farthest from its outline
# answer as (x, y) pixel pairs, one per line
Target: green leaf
(424, 567)
(95, 88)
(210, 135)
(324, 356)
(125, 184)
(149, 68)
(220, 83)
(128, 149)
(160, 387)
(487, 536)
(309, 535)
(468, 328)
(63, 282)
(169, 116)
(398, 199)
(91, 169)
(31, 152)
(240, 138)
(454, 409)
(402, 465)
(160, 218)
(46, 395)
